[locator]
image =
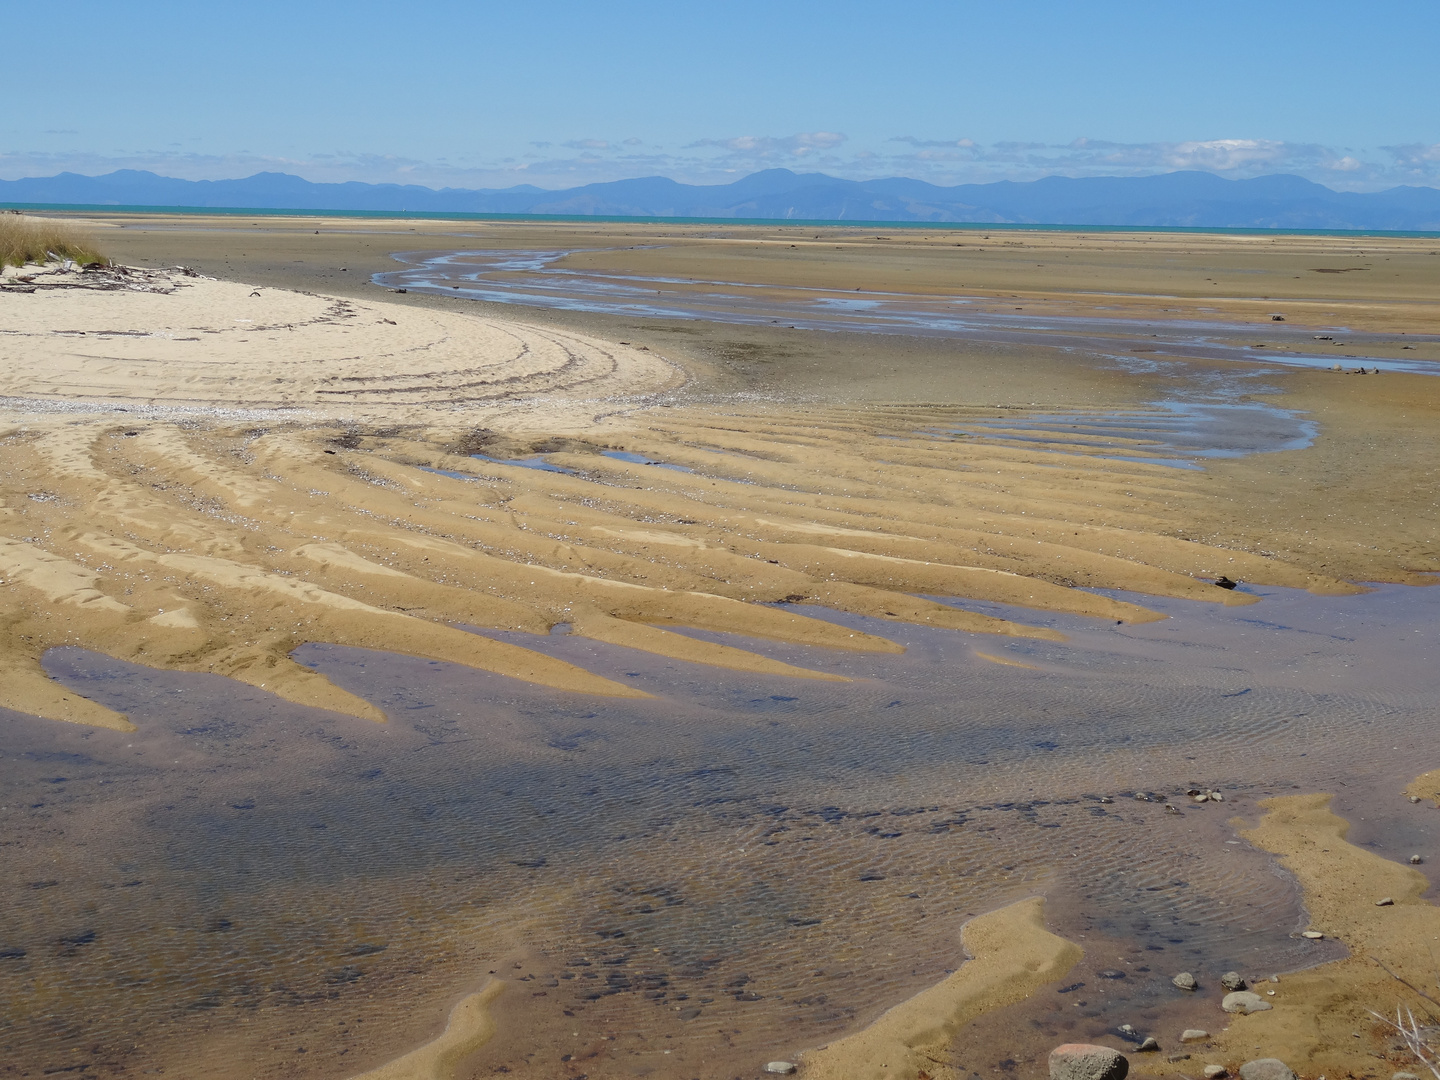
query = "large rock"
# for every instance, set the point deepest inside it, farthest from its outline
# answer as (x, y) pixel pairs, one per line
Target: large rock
(1266, 1069)
(1244, 1001)
(1082, 1061)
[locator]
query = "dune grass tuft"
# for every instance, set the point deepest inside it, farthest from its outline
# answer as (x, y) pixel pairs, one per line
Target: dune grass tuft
(25, 239)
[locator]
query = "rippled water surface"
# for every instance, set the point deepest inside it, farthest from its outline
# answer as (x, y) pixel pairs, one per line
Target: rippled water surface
(692, 884)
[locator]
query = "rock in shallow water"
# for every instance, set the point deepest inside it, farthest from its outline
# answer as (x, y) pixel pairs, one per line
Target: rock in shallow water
(1243, 1001)
(1193, 1035)
(1185, 981)
(1266, 1069)
(1231, 980)
(784, 1068)
(1084, 1061)
(1149, 1044)
(1214, 1072)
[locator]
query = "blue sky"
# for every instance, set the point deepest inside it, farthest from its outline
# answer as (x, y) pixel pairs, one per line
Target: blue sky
(488, 94)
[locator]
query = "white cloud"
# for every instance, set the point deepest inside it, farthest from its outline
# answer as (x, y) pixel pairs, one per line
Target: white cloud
(768, 147)
(1226, 155)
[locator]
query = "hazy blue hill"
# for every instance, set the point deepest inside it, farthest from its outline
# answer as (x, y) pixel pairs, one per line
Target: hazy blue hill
(1178, 198)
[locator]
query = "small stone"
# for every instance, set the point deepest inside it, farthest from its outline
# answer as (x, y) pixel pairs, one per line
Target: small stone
(1313, 935)
(1243, 1001)
(1185, 981)
(1404, 1076)
(1171, 809)
(1107, 800)
(784, 1068)
(1177, 1057)
(1194, 1035)
(1231, 980)
(1148, 1045)
(1416, 860)
(1214, 1072)
(1202, 797)
(1127, 1029)
(1414, 798)
(1215, 796)
(1083, 1061)
(1266, 1069)
(1385, 901)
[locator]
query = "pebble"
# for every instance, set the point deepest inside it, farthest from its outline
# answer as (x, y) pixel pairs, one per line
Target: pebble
(1243, 1001)
(1231, 980)
(1214, 1072)
(1193, 1035)
(1185, 981)
(1173, 1058)
(1414, 798)
(1385, 901)
(1416, 860)
(1405, 1076)
(1084, 1061)
(1313, 935)
(1148, 1045)
(1266, 1069)
(784, 1068)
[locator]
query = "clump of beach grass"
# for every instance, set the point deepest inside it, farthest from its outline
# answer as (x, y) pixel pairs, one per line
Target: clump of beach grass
(25, 239)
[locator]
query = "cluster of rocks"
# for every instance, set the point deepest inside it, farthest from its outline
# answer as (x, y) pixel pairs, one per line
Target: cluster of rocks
(1084, 1061)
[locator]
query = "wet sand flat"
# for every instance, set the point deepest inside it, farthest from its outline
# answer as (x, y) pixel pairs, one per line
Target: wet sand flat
(697, 682)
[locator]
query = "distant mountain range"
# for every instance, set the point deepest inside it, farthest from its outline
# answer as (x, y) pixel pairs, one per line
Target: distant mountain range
(1178, 198)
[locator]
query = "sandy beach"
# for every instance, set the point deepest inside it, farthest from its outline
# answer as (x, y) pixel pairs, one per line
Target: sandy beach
(246, 448)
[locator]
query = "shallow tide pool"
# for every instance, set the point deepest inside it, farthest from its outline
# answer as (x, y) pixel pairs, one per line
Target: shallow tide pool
(689, 885)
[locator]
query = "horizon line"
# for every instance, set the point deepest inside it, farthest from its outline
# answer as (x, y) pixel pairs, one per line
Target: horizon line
(656, 219)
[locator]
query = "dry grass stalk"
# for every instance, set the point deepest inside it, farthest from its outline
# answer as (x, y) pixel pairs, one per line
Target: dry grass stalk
(1414, 1041)
(25, 239)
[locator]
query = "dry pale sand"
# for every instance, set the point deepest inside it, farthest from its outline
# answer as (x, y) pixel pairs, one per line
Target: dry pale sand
(202, 475)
